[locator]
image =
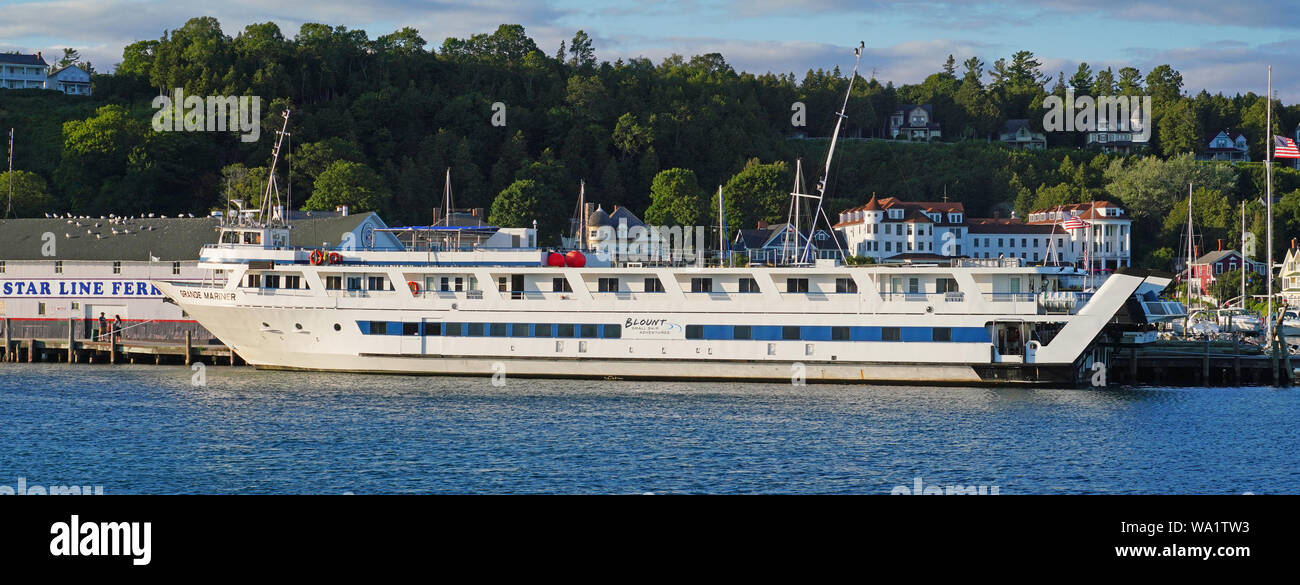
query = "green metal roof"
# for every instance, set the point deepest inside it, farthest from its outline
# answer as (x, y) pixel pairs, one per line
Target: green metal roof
(171, 239)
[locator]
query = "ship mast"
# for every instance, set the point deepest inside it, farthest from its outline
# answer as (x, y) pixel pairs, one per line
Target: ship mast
(826, 173)
(270, 211)
(10, 208)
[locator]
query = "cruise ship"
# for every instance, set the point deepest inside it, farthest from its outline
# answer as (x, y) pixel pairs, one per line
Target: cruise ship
(501, 304)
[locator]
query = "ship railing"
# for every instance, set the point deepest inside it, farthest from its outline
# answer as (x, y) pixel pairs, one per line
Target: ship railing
(1009, 297)
(944, 297)
(1062, 302)
(986, 262)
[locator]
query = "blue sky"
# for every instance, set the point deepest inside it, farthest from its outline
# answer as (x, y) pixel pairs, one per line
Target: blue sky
(1219, 45)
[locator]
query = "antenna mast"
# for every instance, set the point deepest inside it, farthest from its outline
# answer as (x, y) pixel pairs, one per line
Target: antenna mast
(826, 173)
(268, 208)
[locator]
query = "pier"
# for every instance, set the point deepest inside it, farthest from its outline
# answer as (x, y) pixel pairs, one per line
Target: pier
(1196, 363)
(69, 349)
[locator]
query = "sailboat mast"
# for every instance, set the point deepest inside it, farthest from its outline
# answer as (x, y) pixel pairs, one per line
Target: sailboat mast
(722, 238)
(1243, 254)
(9, 209)
(1190, 247)
(830, 153)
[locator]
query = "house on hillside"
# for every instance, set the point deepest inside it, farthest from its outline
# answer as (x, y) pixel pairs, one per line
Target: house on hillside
(1228, 145)
(70, 79)
(1017, 134)
(914, 123)
(19, 71)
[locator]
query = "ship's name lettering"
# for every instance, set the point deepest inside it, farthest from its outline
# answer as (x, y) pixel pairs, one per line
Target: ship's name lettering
(633, 322)
(207, 294)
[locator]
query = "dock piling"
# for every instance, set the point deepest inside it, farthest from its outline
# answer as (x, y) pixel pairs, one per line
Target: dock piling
(188, 346)
(72, 339)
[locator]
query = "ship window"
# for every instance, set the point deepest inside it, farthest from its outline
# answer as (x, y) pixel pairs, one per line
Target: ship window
(796, 285)
(839, 333)
(790, 332)
(561, 284)
(176, 267)
(543, 330)
(433, 329)
(701, 285)
(40, 308)
(742, 332)
(460, 284)
(748, 285)
(890, 334)
(607, 285)
(498, 329)
(565, 330)
(845, 285)
(771, 349)
(519, 330)
(410, 328)
(294, 282)
(2, 266)
(254, 280)
(333, 282)
(501, 284)
(117, 268)
(612, 331)
(455, 329)
(58, 267)
(354, 283)
(474, 329)
(588, 330)
(943, 285)
(378, 327)
(337, 327)
(694, 332)
(272, 281)
(652, 285)
(942, 334)
(446, 285)
(375, 283)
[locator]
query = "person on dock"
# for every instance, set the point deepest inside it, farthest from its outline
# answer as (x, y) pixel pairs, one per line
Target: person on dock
(117, 328)
(103, 327)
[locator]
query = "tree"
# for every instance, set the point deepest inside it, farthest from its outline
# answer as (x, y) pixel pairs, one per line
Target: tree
(1164, 83)
(630, 137)
(581, 54)
(1130, 81)
(758, 192)
(675, 199)
(950, 66)
(30, 196)
(348, 183)
(1104, 84)
(518, 205)
(241, 182)
(1081, 81)
(1178, 129)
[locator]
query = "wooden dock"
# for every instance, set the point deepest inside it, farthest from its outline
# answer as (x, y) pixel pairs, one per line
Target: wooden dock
(72, 350)
(1196, 363)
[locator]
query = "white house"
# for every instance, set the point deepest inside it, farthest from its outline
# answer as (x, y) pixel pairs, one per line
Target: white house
(888, 228)
(914, 123)
(18, 71)
(1017, 134)
(70, 79)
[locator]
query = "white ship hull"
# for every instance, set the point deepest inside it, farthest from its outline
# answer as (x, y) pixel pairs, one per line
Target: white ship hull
(873, 336)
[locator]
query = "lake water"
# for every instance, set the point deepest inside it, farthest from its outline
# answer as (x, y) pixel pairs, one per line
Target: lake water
(148, 429)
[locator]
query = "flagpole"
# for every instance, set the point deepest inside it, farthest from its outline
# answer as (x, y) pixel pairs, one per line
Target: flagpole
(9, 209)
(1268, 208)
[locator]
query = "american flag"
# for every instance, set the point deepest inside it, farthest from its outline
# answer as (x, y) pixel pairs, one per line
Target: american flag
(1284, 147)
(1074, 223)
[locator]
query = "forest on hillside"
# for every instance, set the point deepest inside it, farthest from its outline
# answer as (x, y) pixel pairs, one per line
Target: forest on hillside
(377, 121)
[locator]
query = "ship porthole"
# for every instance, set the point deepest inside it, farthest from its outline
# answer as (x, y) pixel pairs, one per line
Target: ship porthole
(297, 326)
(337, 328)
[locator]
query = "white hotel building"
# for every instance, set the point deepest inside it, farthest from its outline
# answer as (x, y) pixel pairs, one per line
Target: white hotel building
(888, 229)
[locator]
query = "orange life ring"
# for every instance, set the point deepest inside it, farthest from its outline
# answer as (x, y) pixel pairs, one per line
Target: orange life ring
(335, 258)
(414, 286)
(317, 257)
